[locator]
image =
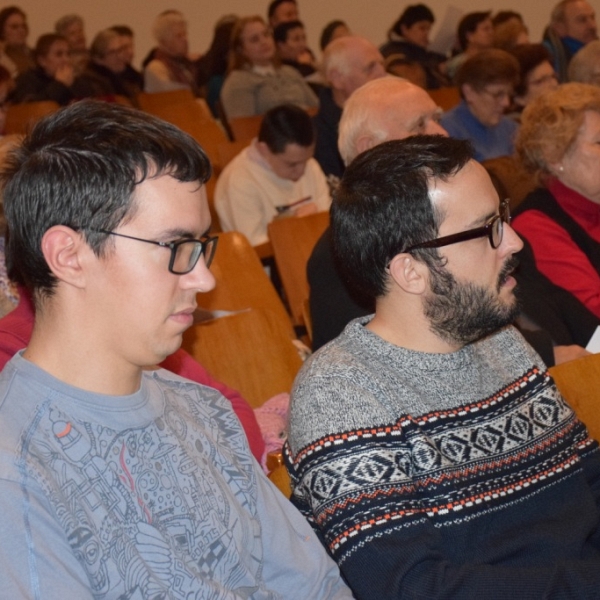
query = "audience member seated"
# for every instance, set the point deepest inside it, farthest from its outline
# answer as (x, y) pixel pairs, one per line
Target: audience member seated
(256, 81)
(212, 66)
(170, 68)
(400, 66)
(52, 78)
(71, 27)
(475, 33)
(558, 139)
(409, 36)
(290, 40)
(281, 11)
(572, 26)
(536, 73)
(275, 177)
(105, 76)
(333, 30)
(348, 63)
(585, 65)
(13, 35)
(385, 109)
(510, 30)
(130, 74)
(428, 445)
(486, 82)
(130, 481)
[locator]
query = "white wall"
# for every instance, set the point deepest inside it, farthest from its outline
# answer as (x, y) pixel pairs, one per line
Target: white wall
(369, 18)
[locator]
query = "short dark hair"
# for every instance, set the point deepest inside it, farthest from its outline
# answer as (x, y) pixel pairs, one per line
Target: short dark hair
(503, 16)
(286, 124)
(79, 167)
(45, 42)
(382, 206)
(529, 56)
(280, 33)
(412, 14)
(123, 30)
(328, 32)
(5, 14)
(487, 67)
(275, 5)
(468, 24)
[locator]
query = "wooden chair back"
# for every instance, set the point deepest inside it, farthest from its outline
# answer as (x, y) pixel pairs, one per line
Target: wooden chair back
(229, 150)
(191, 118)
(579, 383)
(245, 128)
(249, 351)
(21, 117)
(445, 97)
(242, 282)
(156, 101)
(516, 182)
(293, 240)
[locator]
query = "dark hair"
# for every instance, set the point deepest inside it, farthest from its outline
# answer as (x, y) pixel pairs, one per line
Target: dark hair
(503, 16)
(5, 14)
(412, 14)
(382, 206)
(529, 56)
(468, 24)
(4, 77)
(286, 124)
(123, 30)
(45, 42)
(328, 32)
(275, 5)
(214, 61)
(79, 167)
(280, 32)
(487, 67)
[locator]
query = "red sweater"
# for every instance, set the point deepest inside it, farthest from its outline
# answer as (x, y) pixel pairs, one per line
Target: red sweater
(15, 333)
(556, 254)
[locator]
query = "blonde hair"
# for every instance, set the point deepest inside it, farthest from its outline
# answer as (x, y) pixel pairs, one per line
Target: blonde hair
(550, 124)
(237, 60)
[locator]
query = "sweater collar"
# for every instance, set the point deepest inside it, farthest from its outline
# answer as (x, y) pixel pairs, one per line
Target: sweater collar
(574, 203)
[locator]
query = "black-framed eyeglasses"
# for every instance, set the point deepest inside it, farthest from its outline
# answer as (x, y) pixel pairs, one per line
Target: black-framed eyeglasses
(184, 253)
(493, 229)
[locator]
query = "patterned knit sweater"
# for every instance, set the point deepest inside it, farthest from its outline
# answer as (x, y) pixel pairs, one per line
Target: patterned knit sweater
(462, 475)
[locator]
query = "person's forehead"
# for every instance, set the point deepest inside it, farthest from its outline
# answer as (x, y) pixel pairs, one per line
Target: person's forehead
(293, 153)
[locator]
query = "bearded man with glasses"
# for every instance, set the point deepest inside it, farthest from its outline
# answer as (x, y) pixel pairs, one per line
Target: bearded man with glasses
(428, 445)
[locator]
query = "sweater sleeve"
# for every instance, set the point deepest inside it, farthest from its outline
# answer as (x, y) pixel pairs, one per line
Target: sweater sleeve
(237, 95)
(559, 259)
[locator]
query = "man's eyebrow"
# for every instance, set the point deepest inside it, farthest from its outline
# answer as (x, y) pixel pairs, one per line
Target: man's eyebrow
(180, 233)
(481, 221)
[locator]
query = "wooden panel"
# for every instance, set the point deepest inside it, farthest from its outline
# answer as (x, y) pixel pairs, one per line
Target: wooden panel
(249, 351)
(21, 117)
(293, 240)
(241, 281)
(446, 97)
(579, 383)
(245, 128)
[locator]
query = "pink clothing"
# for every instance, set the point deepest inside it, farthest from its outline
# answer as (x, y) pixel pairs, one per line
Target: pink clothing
(15, 332)
(557, 256)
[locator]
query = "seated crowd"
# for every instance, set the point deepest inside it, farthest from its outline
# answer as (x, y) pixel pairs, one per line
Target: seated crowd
(429, 451)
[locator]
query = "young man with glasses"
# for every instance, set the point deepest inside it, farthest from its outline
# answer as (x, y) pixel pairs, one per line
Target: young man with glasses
(119, 480)
(428, 445)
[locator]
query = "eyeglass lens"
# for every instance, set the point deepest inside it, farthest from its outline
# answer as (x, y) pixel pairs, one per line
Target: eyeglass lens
(187, 253)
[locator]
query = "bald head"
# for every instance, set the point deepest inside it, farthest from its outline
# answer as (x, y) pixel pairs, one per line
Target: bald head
(389, 108)
(348, 63)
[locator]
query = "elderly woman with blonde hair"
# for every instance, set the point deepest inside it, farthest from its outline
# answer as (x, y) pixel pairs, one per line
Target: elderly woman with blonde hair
(559, 140)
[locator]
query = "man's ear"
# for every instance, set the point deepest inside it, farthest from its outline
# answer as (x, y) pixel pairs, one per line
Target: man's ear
(409, 274)
(63, 248)
(364, 143)
(467, 92)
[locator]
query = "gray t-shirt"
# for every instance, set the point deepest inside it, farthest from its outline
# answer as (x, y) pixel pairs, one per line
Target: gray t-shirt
(151, 495)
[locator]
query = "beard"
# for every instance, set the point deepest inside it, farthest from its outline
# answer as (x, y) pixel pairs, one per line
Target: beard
(464, 312)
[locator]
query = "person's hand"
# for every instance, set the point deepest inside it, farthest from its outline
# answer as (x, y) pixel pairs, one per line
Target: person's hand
(566, 353)
(65, 75)
(310, 208)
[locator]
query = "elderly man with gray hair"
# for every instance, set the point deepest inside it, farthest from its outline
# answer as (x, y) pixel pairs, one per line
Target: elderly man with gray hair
(170, 67)
(348, 63)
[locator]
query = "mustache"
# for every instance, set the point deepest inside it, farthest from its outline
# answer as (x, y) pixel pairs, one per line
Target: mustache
(509, 266)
